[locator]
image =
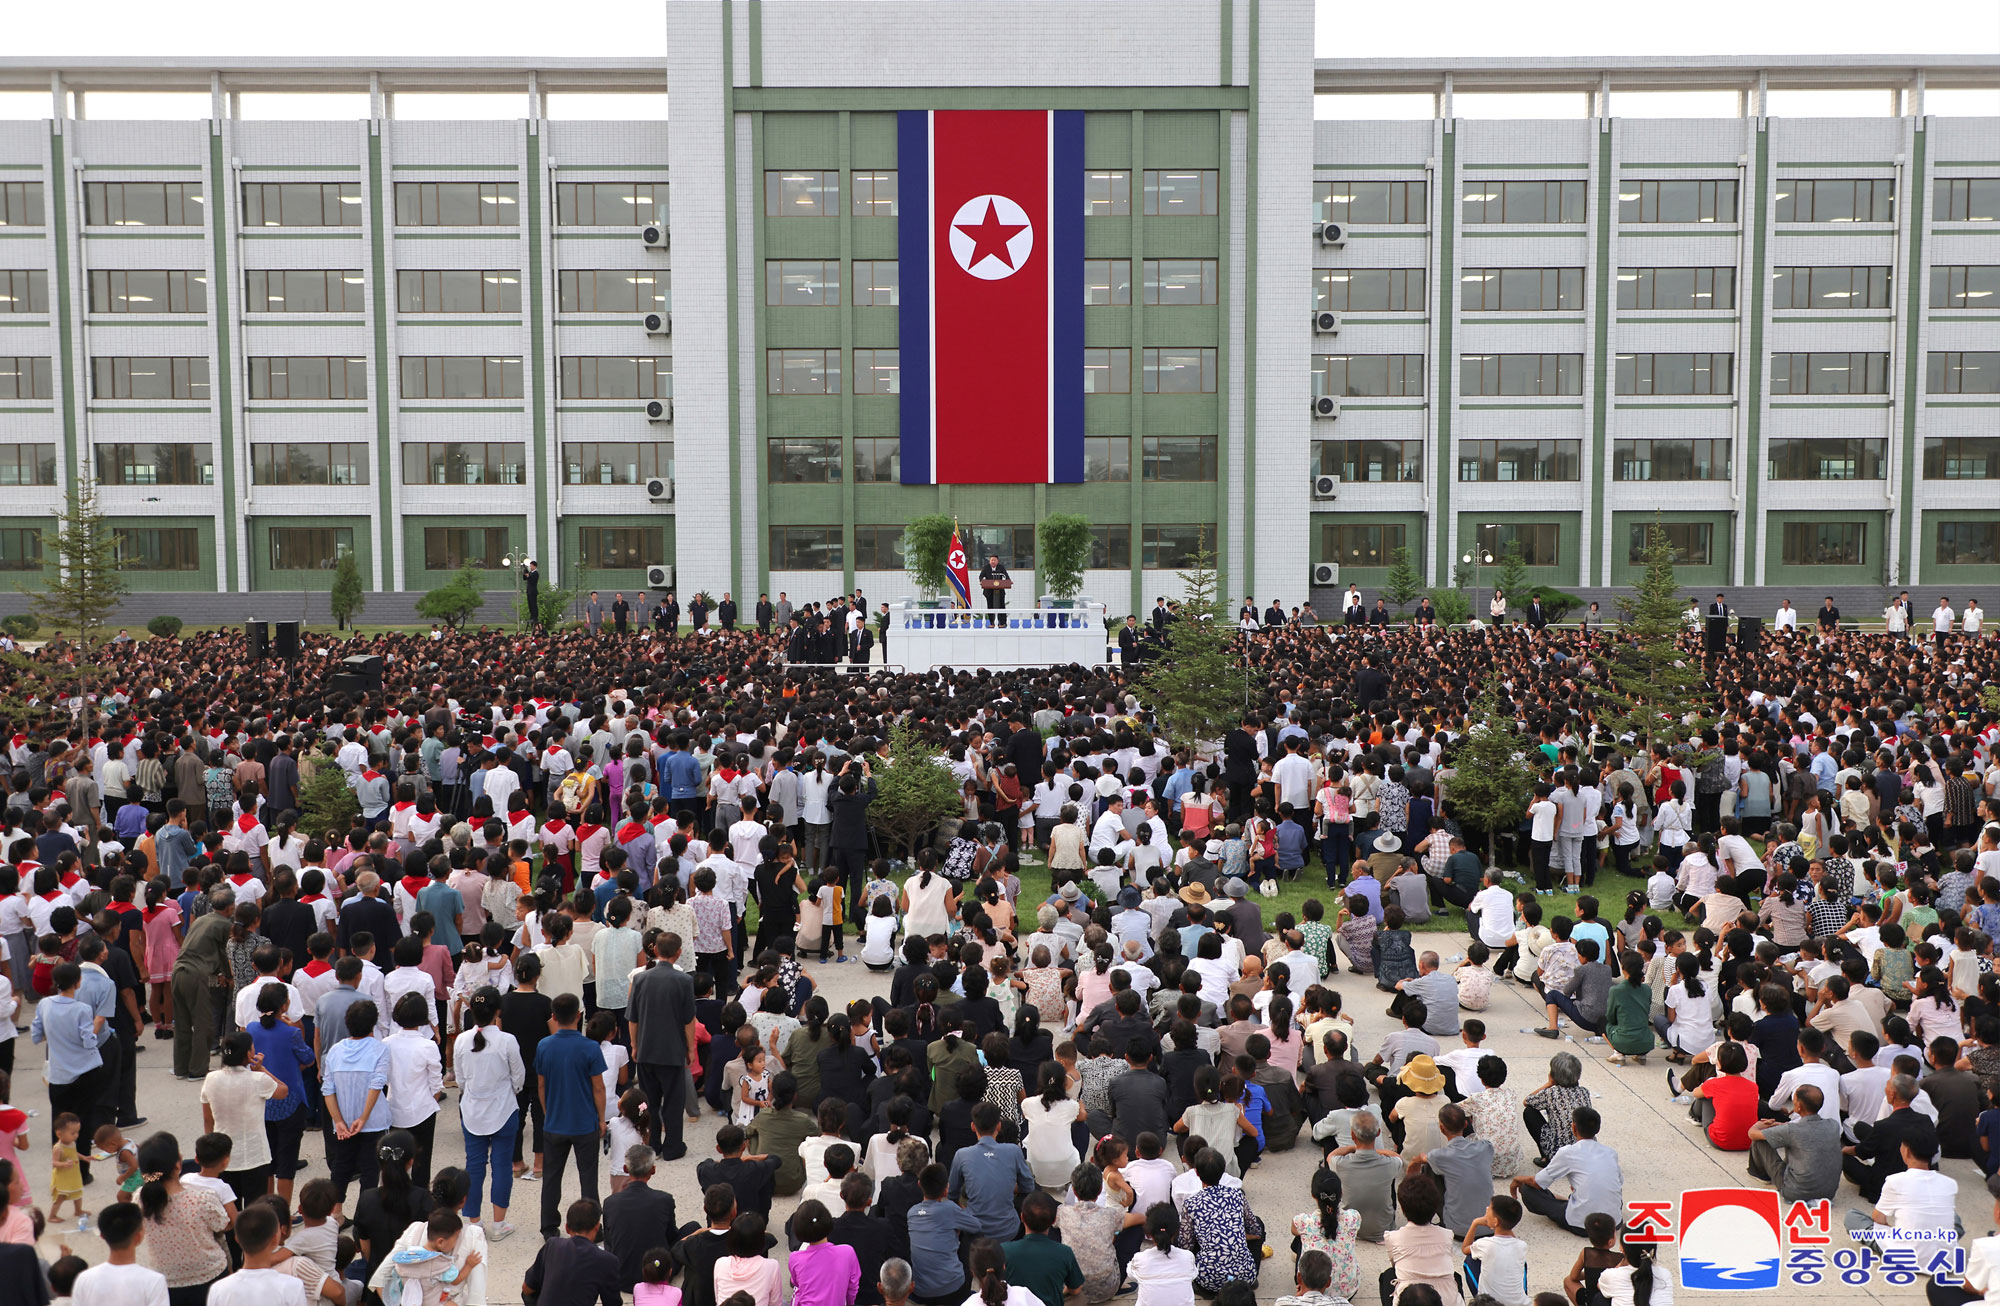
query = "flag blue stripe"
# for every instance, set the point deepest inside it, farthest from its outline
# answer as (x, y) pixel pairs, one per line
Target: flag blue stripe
(913, 161)
(1066, 313)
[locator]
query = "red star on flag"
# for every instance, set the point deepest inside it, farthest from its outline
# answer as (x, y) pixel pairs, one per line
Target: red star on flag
(990, 237)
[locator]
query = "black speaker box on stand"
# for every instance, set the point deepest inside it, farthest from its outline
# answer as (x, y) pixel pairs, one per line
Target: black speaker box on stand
(1749, 632)
(259, 635)
(287, 633)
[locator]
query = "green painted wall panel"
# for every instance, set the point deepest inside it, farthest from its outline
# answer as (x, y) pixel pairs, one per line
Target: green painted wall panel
(417, 576)
(1107, 327)
(1180, 140)
(1939, 575)
(1107, 414)
(802, 415)
(1875, 551)
(1413, 540)
(201, 579)
(264, 577)
(797, 238)
(794, 327)
(626, 580)
(1721, 548)
(1107, 140)
(801, 140)
(1107, 238)
(872, 137)
(1565, 572)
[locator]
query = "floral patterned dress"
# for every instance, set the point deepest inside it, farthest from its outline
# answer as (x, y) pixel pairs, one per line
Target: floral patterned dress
(1496, 1117)
(1088, 1230)
(1339, 1249)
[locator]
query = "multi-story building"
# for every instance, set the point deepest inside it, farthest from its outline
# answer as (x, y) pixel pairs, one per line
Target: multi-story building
(268, 342)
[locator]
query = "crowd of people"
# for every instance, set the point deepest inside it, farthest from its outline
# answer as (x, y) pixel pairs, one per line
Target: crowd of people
(576, 881)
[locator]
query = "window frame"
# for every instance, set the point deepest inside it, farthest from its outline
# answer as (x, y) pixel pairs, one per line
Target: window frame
(1550, 367)
(344, 199)
(257, 288)
(1788, 453)
(1554, 455)
(1644, 284)
(1629, 453)
(1505, 533)
(781, 184)
(1881, 194)
(1641, 374)
(1639, 539)
(1347, 543)
(569, 195)
(493, 286)
(271, 376)
(581, 376)
(118, 462)
(1872, 361)
(510, 473)
(649, 545)
(1795, 533)
(188, 376)
(1204, 184)
(1565, 284)
(1410, 198)
(1708, 201)
(786, 552)
(444, 548)
(339, 541)
(178, 548)
(1402, 375)
(496, 370)
(874, 180)
(1877, 293)
(426, 201)
(265, 459)
(1511, 193)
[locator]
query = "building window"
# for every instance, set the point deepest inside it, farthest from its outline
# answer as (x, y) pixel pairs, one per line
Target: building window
(309, 464)
(1174, 548)
(802, 371)
(27, 464)
(25, 291)
(1110, 548)
(1515, 202)
(878, 548)
(155, 464)
(878, 460)
(795, 461)
(1186, 192)
(1519, 460)
(1105, 371)
(148, 292)
(310, 378)
(1370, 203)
(1368, 375)
(1836, 200)
(1107, 193)
(1178, 458)
(621, 548)
(149, 378)
(1966, 199)
(21, 204)
(1674, 374)
(1521, 290)
(305, 291)
(1963, 286)
(606, 462)
(1520, 374)
(447, 548)
(1385, 290)
(1355, 544)
(802, 283)
(801, 194)
(1370, 461)
(1179, 281)
(493, 291)
(162, 548)
(650, 376)
(309, 548)
(1679, 200)
(1825, 544)
(27, 378)
(610, 203)
(143, 204)
(458, 204)
(806, 548)
(1539, 542)
(1690, 540)
(465, 464)
(875, 194)
(469, 377)
(1964, 374)
(1829, 460)
(1107, 458)
(1962, 458)
(1677, 288)
(595, 291)
(302, 204)
(1013, 545)
(877, 283)
(1179, 371)
(20, 549)
(1107, 282)
(1829, 374)
(876, 372)
(1830, 288)
(1670, 460)
(1967, 543)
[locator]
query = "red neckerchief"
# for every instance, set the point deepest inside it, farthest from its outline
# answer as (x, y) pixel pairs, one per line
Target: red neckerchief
(247, 822)
(583, 832)
(318, 967)
(414, 884)
(405, 806)
(151, 912)
(555, 826)
(243, 877)
(370, 774)
(52, 897)
(629, 831)
(312, 898)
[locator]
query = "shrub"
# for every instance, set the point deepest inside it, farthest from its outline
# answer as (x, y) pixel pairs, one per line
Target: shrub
(21, 625)
(164, 626)
(1556, 603)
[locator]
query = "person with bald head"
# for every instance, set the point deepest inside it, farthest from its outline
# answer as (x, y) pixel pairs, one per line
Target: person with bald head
(202, 965)
(368, 912)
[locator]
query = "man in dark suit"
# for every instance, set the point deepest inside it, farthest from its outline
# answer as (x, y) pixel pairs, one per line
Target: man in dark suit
(366, 913)
(1719, 608)
(764, 613)
(874, 1238)
(700, 1250)
(638, 1217)
(1878, 1151)
(281, 774)
(660, 1007)
(1239, 765)
(1379, 614)
(573, 1270)
(751, 1178)
(1829, 617)
(1274, 616)
(1160, 614)
(1537, 615)
(621, 614)
(531, 583)
(1141, 1105)
(1128, 642)
(1024, 750)
(725, 612)
(1370, 685)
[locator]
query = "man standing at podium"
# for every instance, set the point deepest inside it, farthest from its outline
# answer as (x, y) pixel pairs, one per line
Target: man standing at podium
(996, 596)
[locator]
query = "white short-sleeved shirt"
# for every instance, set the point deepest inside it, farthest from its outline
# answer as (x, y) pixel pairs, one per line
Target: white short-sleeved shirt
(258, 1288)
(120, 1285)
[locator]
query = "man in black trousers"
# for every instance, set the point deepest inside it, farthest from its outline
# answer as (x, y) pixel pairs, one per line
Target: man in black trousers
(660, 1007)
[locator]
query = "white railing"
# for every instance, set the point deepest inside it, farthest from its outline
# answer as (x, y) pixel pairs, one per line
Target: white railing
(921, 634)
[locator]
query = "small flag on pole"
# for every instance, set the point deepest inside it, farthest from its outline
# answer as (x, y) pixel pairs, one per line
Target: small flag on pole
(961, 579)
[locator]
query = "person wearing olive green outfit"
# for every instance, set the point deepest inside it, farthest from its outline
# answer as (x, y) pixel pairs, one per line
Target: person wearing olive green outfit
(778, 1129)
(1628, 1025)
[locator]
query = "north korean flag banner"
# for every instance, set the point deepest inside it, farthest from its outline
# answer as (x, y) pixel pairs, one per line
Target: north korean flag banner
(990, 231)
(961, 575)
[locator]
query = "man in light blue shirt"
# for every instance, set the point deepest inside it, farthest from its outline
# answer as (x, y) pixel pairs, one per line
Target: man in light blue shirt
(72, 1033)
(680, 770)
(355, 1075)
(1591, 1168)
(1824, 769)
(987, 1176)
(1179, 784)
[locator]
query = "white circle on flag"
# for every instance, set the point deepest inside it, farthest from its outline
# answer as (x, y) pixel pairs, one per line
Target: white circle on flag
(957, 560)
(991, 237)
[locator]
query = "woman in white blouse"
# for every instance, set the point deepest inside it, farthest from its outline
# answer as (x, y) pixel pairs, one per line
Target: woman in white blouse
(1690, 1010)
(491, 1075)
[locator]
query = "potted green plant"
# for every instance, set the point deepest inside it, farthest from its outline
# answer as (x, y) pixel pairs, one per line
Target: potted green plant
(926, 554)
(1062, 552)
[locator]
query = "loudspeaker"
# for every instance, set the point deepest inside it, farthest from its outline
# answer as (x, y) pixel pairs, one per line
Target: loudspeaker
(352, 686)
(288, 639)
(259, 635)
(1715, 634)
(1749, 632)
(365, 667)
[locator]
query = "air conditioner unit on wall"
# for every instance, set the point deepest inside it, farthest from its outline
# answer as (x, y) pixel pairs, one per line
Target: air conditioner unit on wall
(653, 236)
(659, 410)
(1326, 487)
(1333, 235)
(660, 576)
(1326, 573)
(1326, 406)
(1326, 322)
(660, 490)
(657, 324)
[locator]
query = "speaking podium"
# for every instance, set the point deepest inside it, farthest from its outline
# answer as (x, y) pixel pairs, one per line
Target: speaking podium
(997, 583)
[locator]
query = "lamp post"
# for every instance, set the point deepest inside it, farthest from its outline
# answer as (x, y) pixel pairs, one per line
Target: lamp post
(1476, 558)
(513, 566)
